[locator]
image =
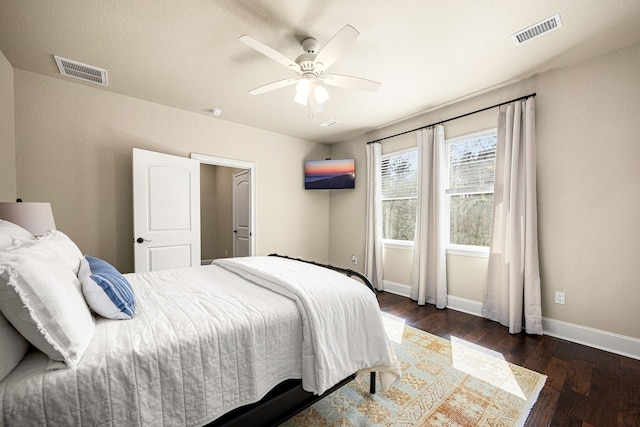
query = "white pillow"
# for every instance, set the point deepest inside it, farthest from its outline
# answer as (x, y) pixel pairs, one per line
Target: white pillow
(13, 347)
(9, 231)
(41, 297)
(107, 292)
(58, 242)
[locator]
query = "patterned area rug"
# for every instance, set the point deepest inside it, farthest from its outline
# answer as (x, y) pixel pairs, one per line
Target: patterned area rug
(444, 383)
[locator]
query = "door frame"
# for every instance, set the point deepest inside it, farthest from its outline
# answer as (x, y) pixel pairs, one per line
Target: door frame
(237, 164)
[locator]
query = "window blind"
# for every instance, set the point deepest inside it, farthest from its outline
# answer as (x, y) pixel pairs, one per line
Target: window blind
(471, 164)
(400, 175)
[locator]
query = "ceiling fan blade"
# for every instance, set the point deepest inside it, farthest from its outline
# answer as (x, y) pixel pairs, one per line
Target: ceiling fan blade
(334, 47)
(351, 82)
(273, 86)
(269, 52)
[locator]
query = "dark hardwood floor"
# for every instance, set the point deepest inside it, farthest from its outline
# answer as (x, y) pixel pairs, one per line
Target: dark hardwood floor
(586, 387)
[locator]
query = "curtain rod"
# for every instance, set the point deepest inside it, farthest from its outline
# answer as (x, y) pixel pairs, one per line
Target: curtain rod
(453, 118)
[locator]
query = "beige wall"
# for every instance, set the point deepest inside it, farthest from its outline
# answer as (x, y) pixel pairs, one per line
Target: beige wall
(7, 133)
(73, 148)
(208, 212)
(588, 190)
(224, 206)
(346, 210)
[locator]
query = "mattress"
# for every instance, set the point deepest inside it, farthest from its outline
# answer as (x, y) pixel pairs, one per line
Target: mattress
(203, 341)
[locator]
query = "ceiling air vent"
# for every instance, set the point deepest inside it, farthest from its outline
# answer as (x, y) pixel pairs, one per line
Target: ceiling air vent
(329, 123)
(537, 30)
(81, 71)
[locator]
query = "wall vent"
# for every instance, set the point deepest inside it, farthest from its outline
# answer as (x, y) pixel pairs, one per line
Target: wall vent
(329, 123)
(82, 71)
(537, 30)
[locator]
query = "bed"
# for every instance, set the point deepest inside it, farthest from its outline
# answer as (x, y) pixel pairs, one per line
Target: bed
(209, 345)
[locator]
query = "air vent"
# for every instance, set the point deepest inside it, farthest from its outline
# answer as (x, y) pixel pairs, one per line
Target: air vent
(537, 30)
(329, 123)
(82, 71)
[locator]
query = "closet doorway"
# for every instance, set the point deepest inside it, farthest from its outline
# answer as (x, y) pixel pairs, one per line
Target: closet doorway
(227, 207)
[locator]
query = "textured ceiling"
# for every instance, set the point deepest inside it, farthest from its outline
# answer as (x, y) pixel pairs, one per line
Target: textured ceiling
(426, 53)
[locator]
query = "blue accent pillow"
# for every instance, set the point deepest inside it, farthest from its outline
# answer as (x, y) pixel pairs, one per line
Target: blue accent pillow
(106, 291)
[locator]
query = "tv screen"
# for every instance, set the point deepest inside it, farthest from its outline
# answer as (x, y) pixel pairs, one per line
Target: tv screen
(329, 174)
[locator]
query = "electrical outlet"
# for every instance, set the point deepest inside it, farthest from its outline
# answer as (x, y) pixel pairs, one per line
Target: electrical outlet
(559, 297)
(354, 259)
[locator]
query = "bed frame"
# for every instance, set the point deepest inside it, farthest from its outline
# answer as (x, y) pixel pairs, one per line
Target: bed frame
(287, 398)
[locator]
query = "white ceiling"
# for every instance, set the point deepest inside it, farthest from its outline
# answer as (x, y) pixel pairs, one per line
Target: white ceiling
(426, 53)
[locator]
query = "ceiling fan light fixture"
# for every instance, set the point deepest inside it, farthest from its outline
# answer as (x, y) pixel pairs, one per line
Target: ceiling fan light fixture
(303, 87)
(310, 68)
(301, 98)
(321, 94)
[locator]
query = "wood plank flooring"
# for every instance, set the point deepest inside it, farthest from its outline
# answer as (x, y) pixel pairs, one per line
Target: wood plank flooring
(586, 387)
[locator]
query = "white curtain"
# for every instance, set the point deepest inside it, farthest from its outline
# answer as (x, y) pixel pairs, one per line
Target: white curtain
(373, 238)
(513, 279)
(429, 273)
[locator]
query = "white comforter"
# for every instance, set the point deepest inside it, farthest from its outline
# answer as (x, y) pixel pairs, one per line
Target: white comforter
(342, 326)
(203, 341)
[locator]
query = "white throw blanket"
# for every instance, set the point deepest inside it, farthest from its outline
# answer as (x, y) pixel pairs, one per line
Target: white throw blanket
(343, 331)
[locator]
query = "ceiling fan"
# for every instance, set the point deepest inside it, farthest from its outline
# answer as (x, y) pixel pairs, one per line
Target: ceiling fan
(310, 68)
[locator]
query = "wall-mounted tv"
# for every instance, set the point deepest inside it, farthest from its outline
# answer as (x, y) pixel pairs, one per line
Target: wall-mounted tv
(330, 174)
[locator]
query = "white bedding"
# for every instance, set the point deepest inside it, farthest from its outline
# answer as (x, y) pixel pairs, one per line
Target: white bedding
(203, 342)
(342, 326)
(165, 366)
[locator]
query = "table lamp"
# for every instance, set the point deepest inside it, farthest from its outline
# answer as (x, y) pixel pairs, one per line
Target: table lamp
(35, 217)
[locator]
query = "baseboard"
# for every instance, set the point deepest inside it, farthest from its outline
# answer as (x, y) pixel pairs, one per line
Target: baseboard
(397, 288)
(206, 261)
(464, 305)
(603, 340)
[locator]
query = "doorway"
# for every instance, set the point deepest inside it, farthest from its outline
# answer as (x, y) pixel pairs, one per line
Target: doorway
(218, 221)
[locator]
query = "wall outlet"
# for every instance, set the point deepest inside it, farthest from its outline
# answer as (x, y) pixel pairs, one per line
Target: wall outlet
(354, 259)
(559, 297)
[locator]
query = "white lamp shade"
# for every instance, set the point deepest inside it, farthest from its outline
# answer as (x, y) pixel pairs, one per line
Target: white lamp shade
(35, 217)
(302, 92)
(321, 94)
(301, 99)
(302, 87)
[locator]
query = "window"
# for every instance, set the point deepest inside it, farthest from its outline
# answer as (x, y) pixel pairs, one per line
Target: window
(399, 195)
(469, 188)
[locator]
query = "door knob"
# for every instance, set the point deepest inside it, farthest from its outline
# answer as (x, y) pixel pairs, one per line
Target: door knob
(140, 240)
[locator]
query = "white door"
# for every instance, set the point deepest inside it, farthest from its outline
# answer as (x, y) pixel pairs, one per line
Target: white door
(166, 211)
(241, 214)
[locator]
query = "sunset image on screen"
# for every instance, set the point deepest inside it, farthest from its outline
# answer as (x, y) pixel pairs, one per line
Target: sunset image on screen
(329, 167)
(329, 174)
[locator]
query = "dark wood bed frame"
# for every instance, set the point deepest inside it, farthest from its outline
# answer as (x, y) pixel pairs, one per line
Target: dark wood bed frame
(287, 398)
